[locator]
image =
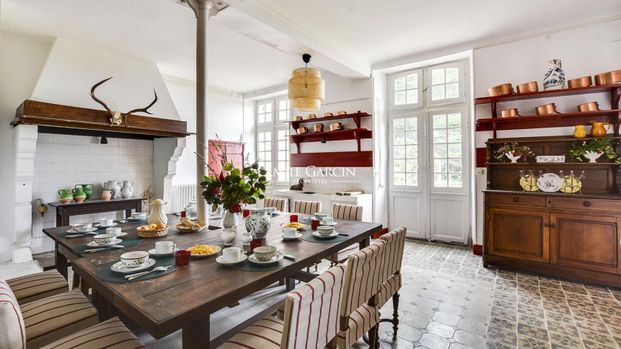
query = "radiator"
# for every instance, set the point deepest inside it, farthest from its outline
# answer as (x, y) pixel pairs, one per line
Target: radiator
(182, 194)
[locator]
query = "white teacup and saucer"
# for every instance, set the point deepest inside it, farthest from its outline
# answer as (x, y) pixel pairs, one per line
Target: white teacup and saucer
(289, 234)
(163, 248)
(231, 255)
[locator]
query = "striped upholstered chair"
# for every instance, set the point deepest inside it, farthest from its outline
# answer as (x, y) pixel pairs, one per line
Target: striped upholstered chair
(359, 311)
(36, 286)
(391, 271)
(306, 207)
(110, 334)
(279, 203)
(347, 212)
(310, 318)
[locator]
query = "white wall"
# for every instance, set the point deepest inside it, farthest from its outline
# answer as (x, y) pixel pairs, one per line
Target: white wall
(584, 51)
(21, 61)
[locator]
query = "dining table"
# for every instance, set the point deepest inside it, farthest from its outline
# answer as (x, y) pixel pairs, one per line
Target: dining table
(185, 298)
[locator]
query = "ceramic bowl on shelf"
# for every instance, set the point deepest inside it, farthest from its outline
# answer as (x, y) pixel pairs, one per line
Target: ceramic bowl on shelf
(509, 113)
(611, 77)
(590, 106)
(546, 109)
(501, 90)
(527, 87)
(584, 81)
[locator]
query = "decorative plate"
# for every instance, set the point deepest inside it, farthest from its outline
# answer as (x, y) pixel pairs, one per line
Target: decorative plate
(119, 267)
(94, 244)
(529, 183)
(91, 230)
(549, 182)
(325, 237)
(276, 258)
(571, 185)
(242, 258)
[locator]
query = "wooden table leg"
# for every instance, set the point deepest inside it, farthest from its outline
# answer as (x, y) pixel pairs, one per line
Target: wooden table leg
(196, 335)
(364, 243)
(289, 284)
(104, 308)
(61, 262)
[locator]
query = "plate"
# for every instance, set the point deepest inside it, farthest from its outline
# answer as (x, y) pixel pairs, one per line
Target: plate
(152, 252)
(120, 234)
(220, 260)
(297, 237)
(276, 258)
(331, 236)
(94, 244)
(199, 256)
(529, 184)
(571, 185)
(297, 225)
(184, 229)
(118, 267)
(549, 182)
(99, 226)
(328, 224)
(82, 232)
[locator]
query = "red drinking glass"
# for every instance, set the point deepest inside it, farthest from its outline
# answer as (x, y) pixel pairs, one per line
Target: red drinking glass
(245, 213)
(314, 224)
(256, 243)
(293, 218)
(182, 257)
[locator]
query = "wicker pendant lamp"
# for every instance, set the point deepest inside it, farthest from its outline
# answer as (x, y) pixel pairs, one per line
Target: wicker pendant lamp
(306, 88)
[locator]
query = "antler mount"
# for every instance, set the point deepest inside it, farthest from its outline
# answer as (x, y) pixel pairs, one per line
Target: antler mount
(118, 118)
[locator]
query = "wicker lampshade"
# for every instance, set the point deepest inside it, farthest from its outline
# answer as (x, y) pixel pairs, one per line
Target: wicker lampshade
(306, 88)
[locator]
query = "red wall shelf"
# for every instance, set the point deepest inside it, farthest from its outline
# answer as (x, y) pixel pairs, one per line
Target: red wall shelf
(357, 117)
(333, 159)
(340, 135)
(553, 120)
(549, 93)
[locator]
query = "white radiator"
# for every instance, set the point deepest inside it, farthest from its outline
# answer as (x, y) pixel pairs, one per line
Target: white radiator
(182, 194)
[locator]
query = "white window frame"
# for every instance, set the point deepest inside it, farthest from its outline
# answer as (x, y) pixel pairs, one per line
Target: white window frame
(462, 78)
(421, 158)
(274, 126)
(394, 77)
(464, 151)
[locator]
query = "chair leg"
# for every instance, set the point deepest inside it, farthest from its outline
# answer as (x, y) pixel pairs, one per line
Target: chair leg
(395, 315)
(373, 340)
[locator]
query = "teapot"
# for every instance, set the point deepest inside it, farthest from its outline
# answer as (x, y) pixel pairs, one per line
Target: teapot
(64, 195)
(78, 194)
(87, 189)
(114, 186)
(127, 191)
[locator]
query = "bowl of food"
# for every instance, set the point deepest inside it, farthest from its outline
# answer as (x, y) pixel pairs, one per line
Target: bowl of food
(203, 251)
(295, 225)
(152, 230)
(190, 226)
(265, 253)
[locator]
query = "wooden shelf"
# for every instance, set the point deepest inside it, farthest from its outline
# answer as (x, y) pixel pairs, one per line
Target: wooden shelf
(549, 93)
(547, 139)
(333, 159)
(547, 164)
(340, 135)
(357, 117)
(554, 120)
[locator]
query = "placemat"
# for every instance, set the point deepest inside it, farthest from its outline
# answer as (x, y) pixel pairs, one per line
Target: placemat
(105, 273)
(307, 235)
(127, 243)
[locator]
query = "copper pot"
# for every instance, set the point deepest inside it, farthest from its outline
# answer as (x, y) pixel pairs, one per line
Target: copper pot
(341, 112)
(546, 109)
(584, 81)
(312, 116)
(327, 114)
(299, 118)
(591, 106)
(335, 126)
(611, 77)
(501, 90)
(509, 113)
(302, 130)
(528, 87)
(318, 128)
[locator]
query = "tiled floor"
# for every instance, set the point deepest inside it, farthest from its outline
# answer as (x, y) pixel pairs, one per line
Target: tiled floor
(449, 300)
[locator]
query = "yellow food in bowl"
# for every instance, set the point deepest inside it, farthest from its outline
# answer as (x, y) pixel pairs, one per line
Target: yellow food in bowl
(294, 225)
(202, 249)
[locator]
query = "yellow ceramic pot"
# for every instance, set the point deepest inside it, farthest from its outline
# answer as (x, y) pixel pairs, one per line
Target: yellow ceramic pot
(580, 131)
(597, 129)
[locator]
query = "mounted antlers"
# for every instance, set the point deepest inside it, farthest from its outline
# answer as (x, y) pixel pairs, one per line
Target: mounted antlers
(118, 118)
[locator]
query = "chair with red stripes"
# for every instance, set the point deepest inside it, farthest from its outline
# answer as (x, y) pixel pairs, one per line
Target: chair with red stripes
(310, 321)
(38, 285)
(347, 213)
(391, 271)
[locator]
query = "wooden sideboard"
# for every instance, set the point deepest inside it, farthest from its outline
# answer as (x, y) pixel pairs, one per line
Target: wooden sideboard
(561, 235)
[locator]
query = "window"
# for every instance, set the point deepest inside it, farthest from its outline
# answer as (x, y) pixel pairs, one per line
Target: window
(405, 151)
(447, 151)
(445, 84)
(406, 90)
(273, 137)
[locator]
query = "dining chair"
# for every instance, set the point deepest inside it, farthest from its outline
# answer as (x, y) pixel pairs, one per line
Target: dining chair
(38, 285)
(391, 271)
(359, 312)
(310, 318)
(279, 203)
(306, 207)
(347, 213)
(110, 334)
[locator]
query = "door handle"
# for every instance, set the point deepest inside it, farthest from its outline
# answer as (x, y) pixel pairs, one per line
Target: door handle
(516, 199)
(586, 204)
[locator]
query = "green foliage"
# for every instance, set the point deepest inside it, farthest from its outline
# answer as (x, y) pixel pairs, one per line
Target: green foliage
(235, 186)
(598, 145)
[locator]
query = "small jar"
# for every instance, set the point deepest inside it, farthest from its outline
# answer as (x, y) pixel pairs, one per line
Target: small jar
(191, 211)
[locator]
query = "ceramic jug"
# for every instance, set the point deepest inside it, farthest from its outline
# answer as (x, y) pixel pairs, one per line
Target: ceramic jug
(580, 131)
(87, 189)
(106, 195)
(64, 195)
(597, 129)
(157, 215)
(127, 191)
(555, 76)
(259, 223)
(78, 194)
(114, 186)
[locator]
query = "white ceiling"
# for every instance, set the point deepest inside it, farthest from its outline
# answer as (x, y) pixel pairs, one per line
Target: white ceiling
(246, 52)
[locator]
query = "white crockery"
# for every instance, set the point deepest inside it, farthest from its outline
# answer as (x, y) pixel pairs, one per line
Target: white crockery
(290, 233)
(120, 267)
(325, 230)
(270, 210)
(139, 215)
(231, 254)
(104, 239)
(320, 215)
(83, 228)
(134, 258)
(164, 247)
(106, 222)
(116, 231)
(265, 253)
(327, 220)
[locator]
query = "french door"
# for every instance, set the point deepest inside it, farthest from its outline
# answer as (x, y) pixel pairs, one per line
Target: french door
(429, 165)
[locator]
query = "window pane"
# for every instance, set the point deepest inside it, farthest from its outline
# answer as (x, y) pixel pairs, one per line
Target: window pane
(454, 150)
(268, 107)
(440, 180)
(412, 179)
(283, 105)
(399, 152)
(399, 178)
(400, 84)
(410, 124)
(412, 81)
(400, 98)
(411, 152)
(454, 165)
(283, 115)
(455, 180)
(261, 108)
(399, 138)
(412, 96)
(452, 90)
(399, 124)
(437, 92)
(439, 121)
(410, 137)
(452, 74)
(399, 166)
(439, 151)
(454, 120)
(439, 136)
(411, 165)
(454, 135)
(437, 76)
(440, 165)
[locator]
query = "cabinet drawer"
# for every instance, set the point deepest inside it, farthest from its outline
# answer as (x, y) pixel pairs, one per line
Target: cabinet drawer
(515, 199)
(585, 204)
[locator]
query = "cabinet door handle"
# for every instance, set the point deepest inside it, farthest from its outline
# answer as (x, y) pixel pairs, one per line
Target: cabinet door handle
(586, 204)
(516, 199)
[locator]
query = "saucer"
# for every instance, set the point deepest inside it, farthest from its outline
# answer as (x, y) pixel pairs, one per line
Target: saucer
(94, 244)
(99, 226)
(242, 258)
(81, 232)
(328, 224)
(119, 267)
(297, 237)
(152, 252)
(130, 219)
(325, 237)
(274, 259)
(120, 234)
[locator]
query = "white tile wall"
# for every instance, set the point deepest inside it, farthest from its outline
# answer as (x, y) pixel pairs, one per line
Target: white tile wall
(64, 161)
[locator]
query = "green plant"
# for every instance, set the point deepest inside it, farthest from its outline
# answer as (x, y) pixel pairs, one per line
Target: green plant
(516, 149)
(598, 145)
(233, 187)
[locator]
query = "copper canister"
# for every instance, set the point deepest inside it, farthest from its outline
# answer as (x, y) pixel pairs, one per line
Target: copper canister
(318, 128)
(611, 77)
(327, 114)
(584, 81)
(501, 90)
(341, 112)
(302, 130)
(299, 118)
(546, 109)
(312, 116)
(335, 126)
(509, 113)
(528, 87)
(591, 106)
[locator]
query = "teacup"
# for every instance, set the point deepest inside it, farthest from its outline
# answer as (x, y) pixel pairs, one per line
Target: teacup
(114, 231)
(139, 215)
(231, 254)
(327, 220)
(134, 259)
(265, 253)
(83, 228)
(270, 210)
(290, 233)
(325, 230)
(320, 215)
(164, 247)
(106, 222)
(104, 239)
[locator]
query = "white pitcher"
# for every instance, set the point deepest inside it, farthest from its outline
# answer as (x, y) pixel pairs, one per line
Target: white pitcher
(157, 215)
(128, 189)
(114, 186)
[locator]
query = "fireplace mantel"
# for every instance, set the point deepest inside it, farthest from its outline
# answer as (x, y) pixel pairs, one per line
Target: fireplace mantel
(66, 119)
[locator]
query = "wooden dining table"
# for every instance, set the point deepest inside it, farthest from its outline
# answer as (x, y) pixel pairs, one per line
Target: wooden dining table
(185, 298)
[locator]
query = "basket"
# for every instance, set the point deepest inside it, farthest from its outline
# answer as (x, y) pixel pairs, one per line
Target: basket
(152, 233)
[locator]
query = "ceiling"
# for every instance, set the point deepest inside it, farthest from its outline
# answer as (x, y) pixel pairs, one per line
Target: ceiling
(255, 43)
